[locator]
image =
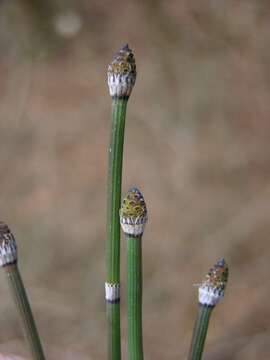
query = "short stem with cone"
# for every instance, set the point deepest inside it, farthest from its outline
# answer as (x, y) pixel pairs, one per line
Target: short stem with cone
(9, 261)
(211, 291)
(133, 217)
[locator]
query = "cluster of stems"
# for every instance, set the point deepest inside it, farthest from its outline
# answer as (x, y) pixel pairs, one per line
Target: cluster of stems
(132, 217)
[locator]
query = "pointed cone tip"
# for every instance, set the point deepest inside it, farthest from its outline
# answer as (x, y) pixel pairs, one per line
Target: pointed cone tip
(4, 228)
(125, 47)
(134, 189)
(221, 262)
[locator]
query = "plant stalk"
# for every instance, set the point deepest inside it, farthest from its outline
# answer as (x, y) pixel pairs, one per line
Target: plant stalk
(114, 189)
(8, 261)
(211, 291)
(24, 310)
(133, 217)
(134, 297)
(200, 332)
(121, 79)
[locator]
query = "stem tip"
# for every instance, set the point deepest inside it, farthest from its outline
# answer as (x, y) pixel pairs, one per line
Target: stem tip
(8, 247)
(133, 213)
(122, 73)
(213, 287)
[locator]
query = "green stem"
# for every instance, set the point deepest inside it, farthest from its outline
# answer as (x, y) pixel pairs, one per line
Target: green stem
(114, 189)
(114, 333)
(113, 225)
(24, 310)
(134, 297)
(200, 332)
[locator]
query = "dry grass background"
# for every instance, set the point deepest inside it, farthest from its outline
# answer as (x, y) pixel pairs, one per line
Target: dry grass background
(197, 144)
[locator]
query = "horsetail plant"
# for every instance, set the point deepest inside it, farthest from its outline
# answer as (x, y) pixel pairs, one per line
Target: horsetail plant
(121, 79)
(211, 291)
(9, 262)
(133, 217)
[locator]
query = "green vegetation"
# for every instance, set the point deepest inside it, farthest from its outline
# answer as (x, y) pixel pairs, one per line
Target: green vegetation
(211, 291)
(121, 79)
(8, 260)
(133, 217)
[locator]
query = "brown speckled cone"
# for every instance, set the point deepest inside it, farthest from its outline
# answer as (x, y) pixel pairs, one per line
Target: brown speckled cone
(122, 73)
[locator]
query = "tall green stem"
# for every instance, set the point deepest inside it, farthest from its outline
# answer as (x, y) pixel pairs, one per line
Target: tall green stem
(134, 297)
(133, 217)
(113, 241)
(8, 260)
(121, 79)
(114, 188)
(211, 291)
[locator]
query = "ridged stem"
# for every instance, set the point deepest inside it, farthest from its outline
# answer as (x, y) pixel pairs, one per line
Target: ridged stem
(200, 332)
(20, 298)
(113, 225)
(114, 189)
(134, 297)
(114, 333)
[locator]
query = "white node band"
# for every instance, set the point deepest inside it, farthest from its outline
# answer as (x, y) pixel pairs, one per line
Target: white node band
(112, 292)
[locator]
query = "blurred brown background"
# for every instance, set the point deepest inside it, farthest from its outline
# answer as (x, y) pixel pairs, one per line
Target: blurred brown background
(197, 145)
